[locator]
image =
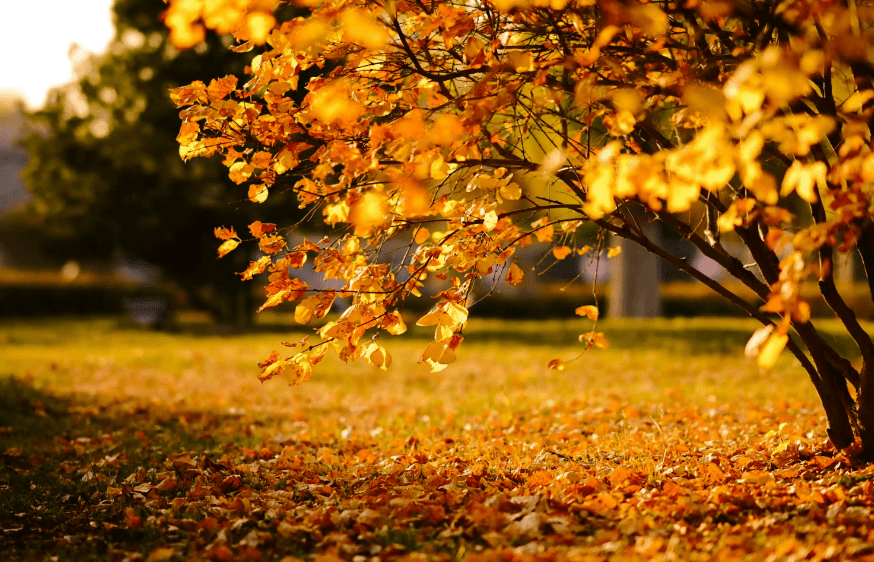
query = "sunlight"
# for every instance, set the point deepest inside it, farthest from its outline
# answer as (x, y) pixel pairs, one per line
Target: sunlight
(38, 39)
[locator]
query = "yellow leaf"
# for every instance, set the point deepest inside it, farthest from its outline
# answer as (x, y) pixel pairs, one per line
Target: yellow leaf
(588, 311)
(600, 181)
(377, 356)
(333, 103)
(430, 319)
(258, 26)
(446, 129)
(650, 18)
(299, 370)
(438, 354)
(303, 313)
(271, 370)
(735, 215)
(311, 33)
(511, 192)
(801, 178)
(620, 123)
(490, 221)
(219, 89)
(439, 168)
(258, 193)
(521, 61)
(856, 100)
(394, 324)
(456, 312)
(226, 247)
(771, 350)
(801, 312)
(472, 48)
(270, 367)
(187, 36)
(363, 29)
(515, 275)
(338, 212)
(614, 251)
(764, 187)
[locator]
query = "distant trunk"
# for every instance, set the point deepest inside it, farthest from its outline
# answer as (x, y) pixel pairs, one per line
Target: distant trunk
(231, 305)
(241, 312)
(634, 276)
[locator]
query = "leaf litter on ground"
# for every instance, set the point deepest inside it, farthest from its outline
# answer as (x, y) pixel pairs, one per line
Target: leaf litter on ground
(123, 475)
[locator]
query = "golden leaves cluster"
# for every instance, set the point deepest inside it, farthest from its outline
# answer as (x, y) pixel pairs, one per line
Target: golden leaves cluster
(434, 116)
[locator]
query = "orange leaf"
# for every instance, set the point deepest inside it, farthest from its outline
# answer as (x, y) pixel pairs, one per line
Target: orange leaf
(255, 268)
(595, 339)
(225, 233)
(271, 244)
(133, 520)
(561, 252)
(588, 311)
(219, 88)
(515, 275)
(556, 365)
(422, 235)
(259, 229)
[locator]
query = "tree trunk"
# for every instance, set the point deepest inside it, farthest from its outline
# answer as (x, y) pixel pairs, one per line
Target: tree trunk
(242, 309)
(634, 276)
(230, 305)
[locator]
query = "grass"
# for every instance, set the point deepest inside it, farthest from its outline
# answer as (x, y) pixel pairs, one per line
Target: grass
(91, 409)
(700, 359)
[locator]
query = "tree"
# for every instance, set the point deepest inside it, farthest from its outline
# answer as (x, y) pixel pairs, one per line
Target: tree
(737, 120)
(106, 175)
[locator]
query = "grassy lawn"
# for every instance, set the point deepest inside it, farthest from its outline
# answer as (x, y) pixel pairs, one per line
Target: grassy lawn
(124, 444)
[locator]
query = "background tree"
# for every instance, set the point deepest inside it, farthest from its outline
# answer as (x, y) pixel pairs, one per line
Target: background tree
(741, 120)
(105, 171)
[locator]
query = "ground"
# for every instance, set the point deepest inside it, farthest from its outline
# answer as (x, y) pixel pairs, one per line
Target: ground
(123, 444)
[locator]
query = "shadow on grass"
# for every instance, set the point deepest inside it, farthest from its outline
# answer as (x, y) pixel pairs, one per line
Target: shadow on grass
(62, 460)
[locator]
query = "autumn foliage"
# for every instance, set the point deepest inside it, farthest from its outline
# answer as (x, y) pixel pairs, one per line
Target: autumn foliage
(470, 129)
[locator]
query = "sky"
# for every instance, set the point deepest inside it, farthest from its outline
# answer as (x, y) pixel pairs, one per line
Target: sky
(36, 38)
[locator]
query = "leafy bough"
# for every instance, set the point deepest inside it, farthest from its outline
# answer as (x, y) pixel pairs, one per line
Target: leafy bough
(747, 122)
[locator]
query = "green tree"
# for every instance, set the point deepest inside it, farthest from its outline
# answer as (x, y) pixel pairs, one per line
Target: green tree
(105, 169)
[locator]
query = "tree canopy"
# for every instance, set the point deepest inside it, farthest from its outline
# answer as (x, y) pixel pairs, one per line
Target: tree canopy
(470, 129)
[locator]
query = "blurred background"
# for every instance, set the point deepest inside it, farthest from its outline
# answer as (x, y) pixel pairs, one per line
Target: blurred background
(99, 215)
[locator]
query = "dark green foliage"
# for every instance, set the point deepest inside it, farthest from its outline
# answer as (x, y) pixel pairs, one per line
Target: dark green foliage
(113, 180)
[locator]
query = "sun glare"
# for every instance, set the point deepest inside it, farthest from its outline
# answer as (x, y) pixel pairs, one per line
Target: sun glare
(37, 40)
